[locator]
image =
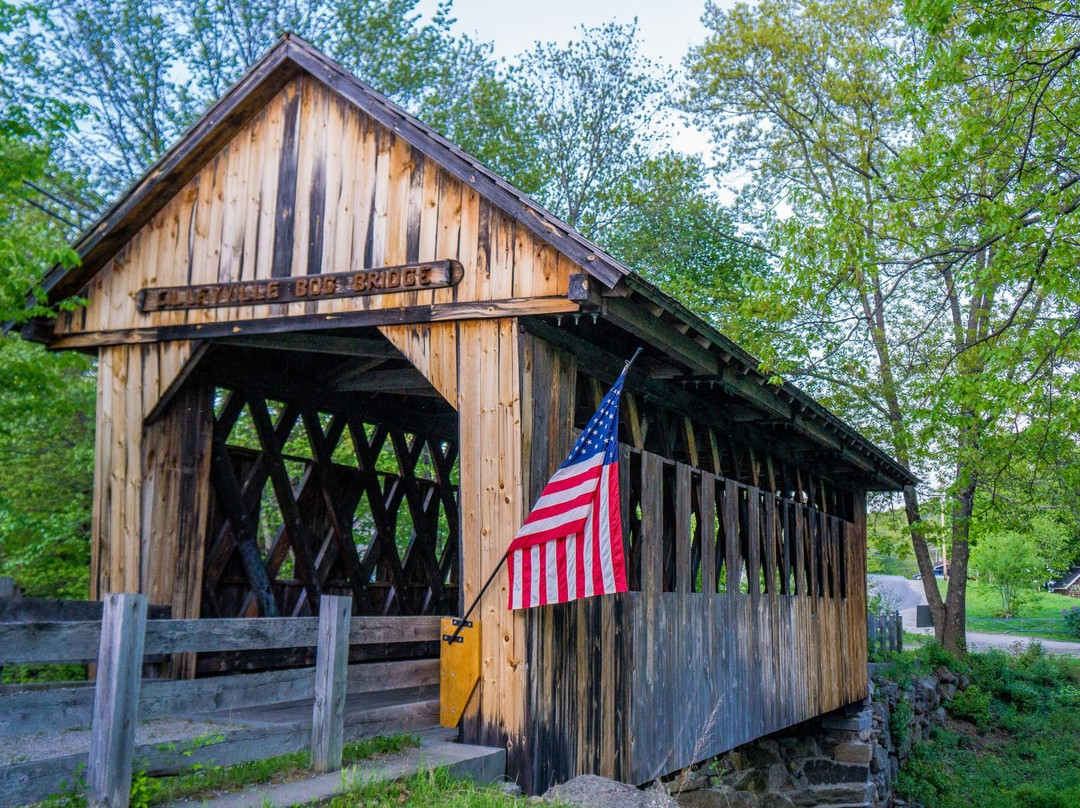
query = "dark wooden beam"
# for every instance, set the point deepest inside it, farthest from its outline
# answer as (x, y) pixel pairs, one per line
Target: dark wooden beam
(403, 381)
(318, 343)
(635, 318)
(404, 315)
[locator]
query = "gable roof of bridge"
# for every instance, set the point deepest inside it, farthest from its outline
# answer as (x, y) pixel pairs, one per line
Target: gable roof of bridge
(689, 335)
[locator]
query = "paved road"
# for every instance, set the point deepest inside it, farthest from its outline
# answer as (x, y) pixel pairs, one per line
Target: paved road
(905, 594)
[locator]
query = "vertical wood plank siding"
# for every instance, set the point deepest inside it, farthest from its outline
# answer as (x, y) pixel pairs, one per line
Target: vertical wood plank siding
(140, 534)
(637, 685)
(313, 185)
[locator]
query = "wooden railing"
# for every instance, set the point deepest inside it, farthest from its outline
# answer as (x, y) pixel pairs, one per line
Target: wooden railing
(689, 530)
(123, 638)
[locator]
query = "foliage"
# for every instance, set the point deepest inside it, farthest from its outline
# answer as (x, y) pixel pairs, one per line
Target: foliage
(1020, 563)
(1072, 619)
(46, 468)
(32, 123)
(674, 231)
(1027, 747)
(925, 284)
(594, 104)
(972, 705)
(900, 721)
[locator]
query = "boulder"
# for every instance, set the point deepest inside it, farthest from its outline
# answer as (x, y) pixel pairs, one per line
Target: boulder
(722, 797)
(590, 791)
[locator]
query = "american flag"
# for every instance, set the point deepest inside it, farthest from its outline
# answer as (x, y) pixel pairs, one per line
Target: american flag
(571, 544)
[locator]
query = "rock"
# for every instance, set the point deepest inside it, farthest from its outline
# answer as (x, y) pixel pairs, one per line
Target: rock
(880, 761)
(778, 778)
(964, 681)
(938, 718)
(774, 801)
(723, 797)
(510, 787)
(853, 753)
(689, 780)
(945, 675)
(851, 723)
(804, 747)
(590, 791)
(831, 795)
(759, 754)
(747, 780)
(827, 772)
(947, 692)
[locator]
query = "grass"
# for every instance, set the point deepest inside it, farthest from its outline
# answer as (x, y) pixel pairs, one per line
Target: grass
(434, 789)
(202, 782)
(1012, 739)
(983, 601)
(206, 782)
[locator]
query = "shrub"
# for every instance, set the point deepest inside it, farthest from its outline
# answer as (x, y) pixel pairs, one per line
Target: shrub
(973, 705)
(900, 722)
(1072, 620)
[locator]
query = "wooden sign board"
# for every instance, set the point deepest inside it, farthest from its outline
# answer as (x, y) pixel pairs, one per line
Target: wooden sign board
(303, 288)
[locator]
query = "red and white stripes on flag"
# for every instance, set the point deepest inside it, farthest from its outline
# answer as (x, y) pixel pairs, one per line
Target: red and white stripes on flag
(571, 545)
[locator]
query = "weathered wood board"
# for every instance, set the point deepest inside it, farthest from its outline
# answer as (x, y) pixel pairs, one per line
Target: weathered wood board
(312, 185)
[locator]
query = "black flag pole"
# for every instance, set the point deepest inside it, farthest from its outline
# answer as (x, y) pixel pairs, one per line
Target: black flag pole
(463, 622)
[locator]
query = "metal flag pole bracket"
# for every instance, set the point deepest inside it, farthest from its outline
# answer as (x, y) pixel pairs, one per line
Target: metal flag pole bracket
(456, 636)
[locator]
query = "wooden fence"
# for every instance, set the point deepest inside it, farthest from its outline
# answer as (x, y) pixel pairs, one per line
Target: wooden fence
(885, 632)
(112, 706)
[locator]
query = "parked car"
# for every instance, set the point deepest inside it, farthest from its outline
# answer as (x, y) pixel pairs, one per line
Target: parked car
(939, 572)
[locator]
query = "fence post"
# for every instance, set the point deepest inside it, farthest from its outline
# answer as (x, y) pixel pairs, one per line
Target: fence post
(331, 670)
(116, 701)
(898, 627)
(7, 587)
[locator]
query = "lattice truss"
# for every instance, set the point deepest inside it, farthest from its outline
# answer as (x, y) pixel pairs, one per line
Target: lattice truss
(306, 501)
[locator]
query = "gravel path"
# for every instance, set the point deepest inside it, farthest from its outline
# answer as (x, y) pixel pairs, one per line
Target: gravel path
(45, 745)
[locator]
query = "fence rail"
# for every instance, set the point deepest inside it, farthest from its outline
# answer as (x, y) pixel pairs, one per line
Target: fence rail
(1045, 625)
(113, 705)
(885, 632)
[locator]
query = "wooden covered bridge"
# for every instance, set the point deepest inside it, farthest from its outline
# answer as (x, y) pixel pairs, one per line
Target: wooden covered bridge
(338, 355)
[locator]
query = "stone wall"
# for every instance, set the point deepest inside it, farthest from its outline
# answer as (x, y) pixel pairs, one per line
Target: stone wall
(849, 758)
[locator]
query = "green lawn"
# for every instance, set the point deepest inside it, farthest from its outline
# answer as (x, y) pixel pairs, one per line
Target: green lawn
(983, 601)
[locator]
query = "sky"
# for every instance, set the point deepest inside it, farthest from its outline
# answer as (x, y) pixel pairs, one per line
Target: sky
(667, 28)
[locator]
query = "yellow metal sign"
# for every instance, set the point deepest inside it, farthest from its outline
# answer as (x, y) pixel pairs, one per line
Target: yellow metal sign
(459, 669)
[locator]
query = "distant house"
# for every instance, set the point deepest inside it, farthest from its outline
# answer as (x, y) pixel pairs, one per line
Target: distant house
(1068, 584)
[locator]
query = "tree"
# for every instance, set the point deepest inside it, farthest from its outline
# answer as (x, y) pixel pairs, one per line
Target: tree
(1020, 562)
(46, 434)
(594, 106)
(674, 230)
(926, 286)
